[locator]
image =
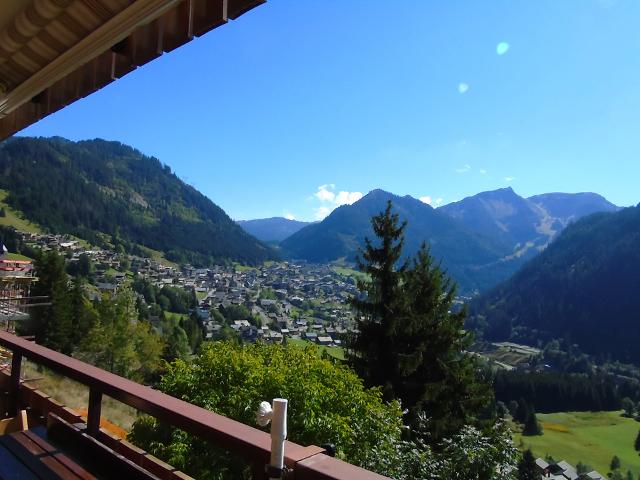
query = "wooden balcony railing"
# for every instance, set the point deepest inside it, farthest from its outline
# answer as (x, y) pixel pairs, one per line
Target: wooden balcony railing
(303, 463)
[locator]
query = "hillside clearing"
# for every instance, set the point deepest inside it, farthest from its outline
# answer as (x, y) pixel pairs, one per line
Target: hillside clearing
(335, 352)
(590, 437)
(15, 219)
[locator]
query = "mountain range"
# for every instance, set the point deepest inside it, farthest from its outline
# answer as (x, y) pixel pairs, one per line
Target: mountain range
(342, 233)
(112, 195)
(582, 288)
(524, 226)
(274, 229)
(480, 240)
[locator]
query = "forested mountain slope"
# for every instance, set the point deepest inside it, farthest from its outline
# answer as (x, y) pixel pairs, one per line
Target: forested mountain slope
(466, 255)
(110, 193)
(583, 287)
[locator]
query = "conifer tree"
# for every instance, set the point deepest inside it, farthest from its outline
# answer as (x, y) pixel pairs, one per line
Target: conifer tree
(438, 377)
(527, 469)
(50, 324)
(411, 340)
(372, 351)
(531, 425)
(615, 463)
(522, 412)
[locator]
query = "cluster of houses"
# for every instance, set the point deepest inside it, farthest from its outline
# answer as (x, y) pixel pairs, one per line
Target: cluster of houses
(563, 471)
(306, 302)
(285, 300)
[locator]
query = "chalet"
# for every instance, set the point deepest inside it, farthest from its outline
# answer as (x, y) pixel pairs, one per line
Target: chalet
(563, 470)
(311, 336)
(241, 325)
(106, 287)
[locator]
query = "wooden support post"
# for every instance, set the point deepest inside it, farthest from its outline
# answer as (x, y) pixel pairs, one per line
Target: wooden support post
(93, 415)
(14, 385)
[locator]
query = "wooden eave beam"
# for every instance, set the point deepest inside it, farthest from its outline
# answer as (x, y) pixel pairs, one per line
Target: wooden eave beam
(104, 37)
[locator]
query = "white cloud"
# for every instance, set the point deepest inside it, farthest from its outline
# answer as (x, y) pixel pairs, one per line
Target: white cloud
(347, 198)
(463, 87)
(483, 171)
(502, 48)
(321, 212)
(464, 169)
(289, 216)
(434, 202)
(324, 194)
(509, 179)
(331, 199)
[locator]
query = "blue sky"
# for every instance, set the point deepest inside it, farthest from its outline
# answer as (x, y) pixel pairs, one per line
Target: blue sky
(299, 106)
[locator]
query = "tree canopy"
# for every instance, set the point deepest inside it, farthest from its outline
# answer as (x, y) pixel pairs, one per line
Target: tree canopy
(327, 403)
(410, 336)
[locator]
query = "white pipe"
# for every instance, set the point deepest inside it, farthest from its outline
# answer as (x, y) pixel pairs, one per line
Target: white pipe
(278, 432)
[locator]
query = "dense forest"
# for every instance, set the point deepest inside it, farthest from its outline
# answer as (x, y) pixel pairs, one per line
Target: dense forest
(583, 288)
(111, 194)
(552, 392)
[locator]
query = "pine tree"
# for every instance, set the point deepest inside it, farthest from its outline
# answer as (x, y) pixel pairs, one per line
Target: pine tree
(58, 330)
(438, 378)
(522, 412)
(531, 425)
(527, 468)
(411, 339)
(372, 351)
(615, 463)
(51, 324)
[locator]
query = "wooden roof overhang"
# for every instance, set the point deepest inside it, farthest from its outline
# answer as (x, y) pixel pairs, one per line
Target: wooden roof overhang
(54, 52)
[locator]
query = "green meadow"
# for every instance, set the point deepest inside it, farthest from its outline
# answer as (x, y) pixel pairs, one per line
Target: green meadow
(335, 352)
(590, 437)
(15, 219)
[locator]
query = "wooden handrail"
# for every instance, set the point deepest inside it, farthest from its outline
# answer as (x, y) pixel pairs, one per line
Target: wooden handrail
(308, 463)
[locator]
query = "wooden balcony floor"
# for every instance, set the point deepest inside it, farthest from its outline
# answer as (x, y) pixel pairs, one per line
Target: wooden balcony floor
(30, 455)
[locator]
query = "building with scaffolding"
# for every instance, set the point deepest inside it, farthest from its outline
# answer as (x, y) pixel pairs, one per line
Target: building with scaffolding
(16, 279)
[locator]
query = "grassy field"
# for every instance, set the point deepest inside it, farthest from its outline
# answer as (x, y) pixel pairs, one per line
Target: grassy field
(175, 318)
(590, 437)
(335, 352)
(17, 256)
(242, 268)
(157, 256)
(201, 295)
(15, 219)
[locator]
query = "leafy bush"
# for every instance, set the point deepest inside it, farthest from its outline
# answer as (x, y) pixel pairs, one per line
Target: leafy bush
(327, 404)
